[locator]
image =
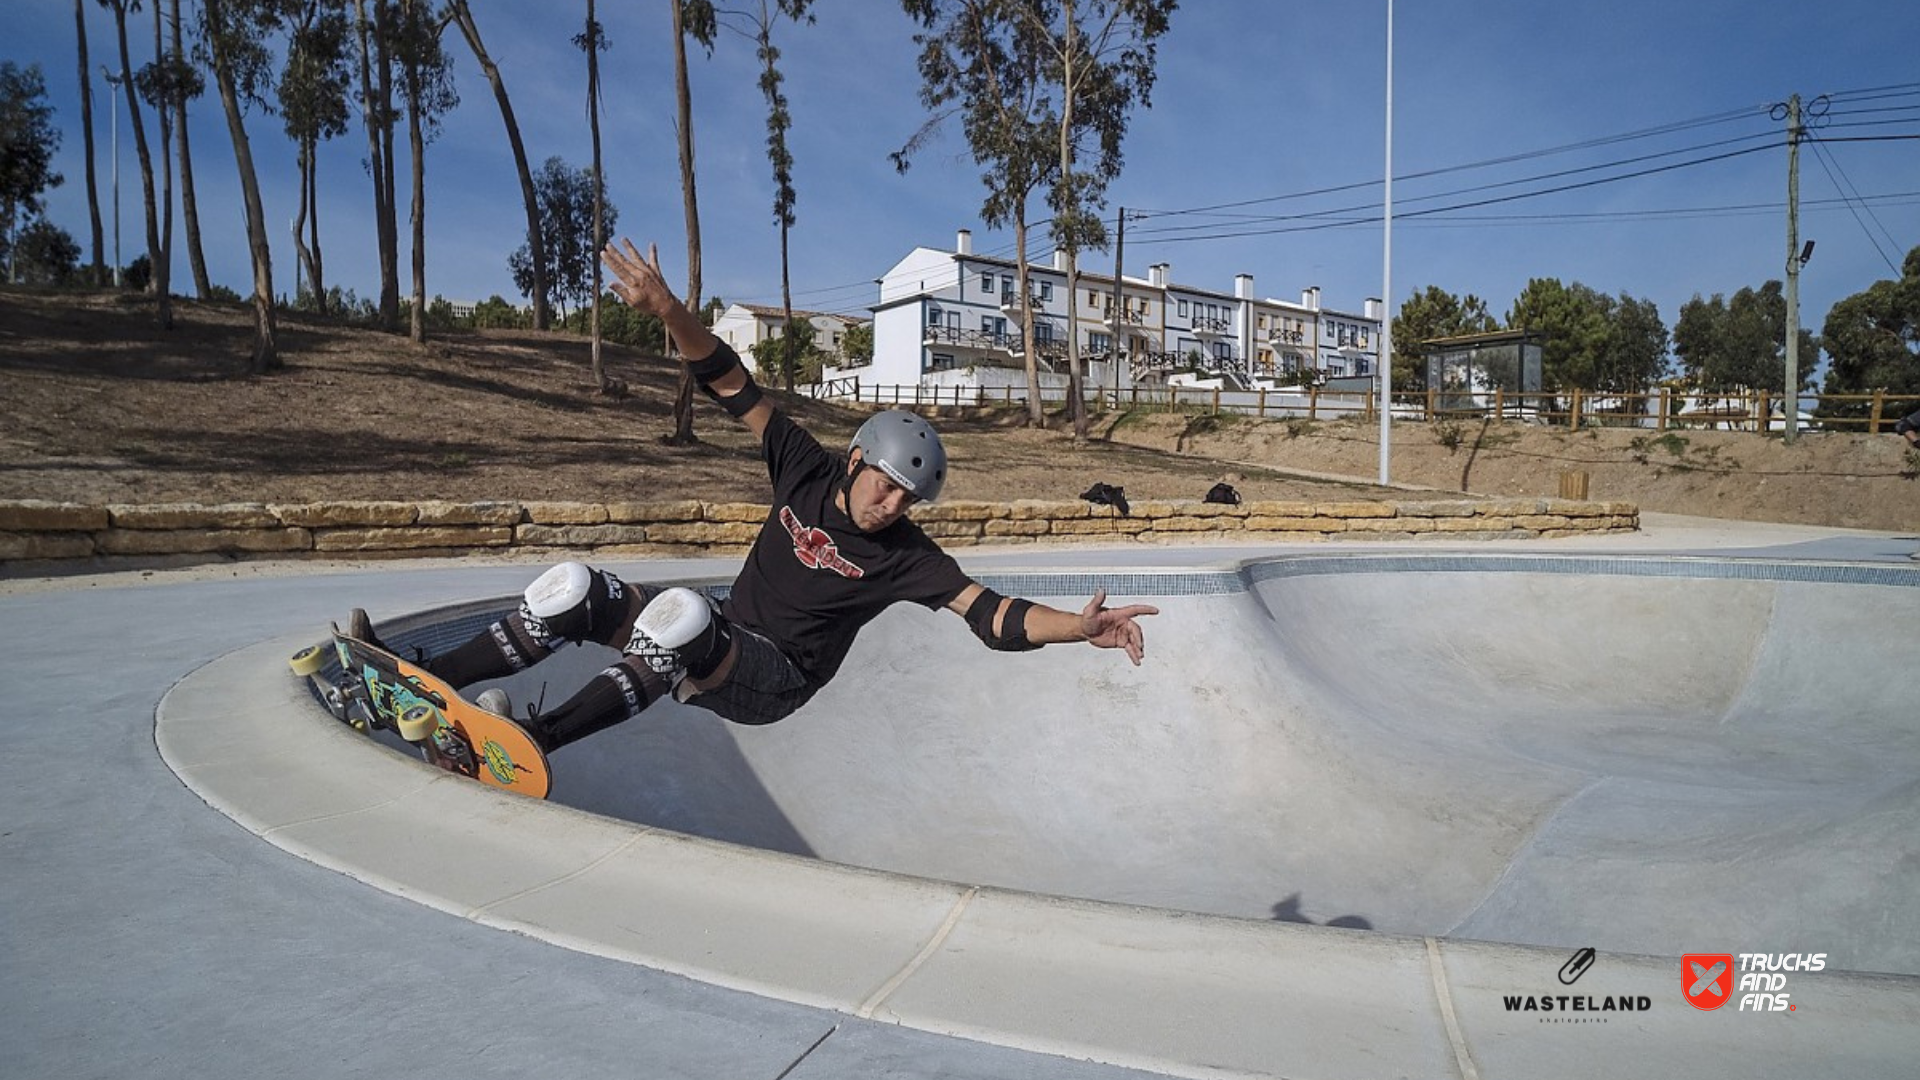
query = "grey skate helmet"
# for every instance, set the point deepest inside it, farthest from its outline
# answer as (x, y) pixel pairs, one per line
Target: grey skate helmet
(906, 448)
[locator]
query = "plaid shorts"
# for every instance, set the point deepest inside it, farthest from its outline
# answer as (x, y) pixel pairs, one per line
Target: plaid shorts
(763, 687)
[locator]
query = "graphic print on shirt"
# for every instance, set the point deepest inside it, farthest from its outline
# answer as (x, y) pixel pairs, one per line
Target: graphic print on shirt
(815, 549)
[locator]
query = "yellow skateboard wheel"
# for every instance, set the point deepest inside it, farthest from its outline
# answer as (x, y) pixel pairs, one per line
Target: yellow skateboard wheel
(416, 724)
(308, 661)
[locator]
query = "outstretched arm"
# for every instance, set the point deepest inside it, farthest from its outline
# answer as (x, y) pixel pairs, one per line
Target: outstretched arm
(988, 614)
(638, 281)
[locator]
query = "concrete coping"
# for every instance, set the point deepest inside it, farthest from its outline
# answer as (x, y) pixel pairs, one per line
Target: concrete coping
(1167, 991)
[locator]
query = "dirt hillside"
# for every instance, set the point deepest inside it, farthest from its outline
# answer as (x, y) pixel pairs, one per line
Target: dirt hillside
(100, 406)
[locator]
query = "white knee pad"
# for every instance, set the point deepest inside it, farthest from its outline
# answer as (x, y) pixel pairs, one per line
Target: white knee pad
(676, 618)
(559, 590)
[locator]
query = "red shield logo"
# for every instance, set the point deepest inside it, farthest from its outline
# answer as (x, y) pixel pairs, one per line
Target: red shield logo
(1707, 979)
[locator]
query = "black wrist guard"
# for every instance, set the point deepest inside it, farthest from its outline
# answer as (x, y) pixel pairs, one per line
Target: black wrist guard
(723, 360)
(1013, 629)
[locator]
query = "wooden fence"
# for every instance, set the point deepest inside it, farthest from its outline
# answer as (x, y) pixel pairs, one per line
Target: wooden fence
(1660, 410)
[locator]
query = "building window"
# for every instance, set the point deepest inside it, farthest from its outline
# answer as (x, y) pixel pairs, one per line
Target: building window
(1183, 309)
(933, 316)
(1099, 342)
(941, 362)
(986, 283)
(1046, 290)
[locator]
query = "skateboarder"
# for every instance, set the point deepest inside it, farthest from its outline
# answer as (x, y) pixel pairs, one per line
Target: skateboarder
(836, 551)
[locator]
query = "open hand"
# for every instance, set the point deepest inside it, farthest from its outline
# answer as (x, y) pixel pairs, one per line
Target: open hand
(637, 278)
(1114, 628)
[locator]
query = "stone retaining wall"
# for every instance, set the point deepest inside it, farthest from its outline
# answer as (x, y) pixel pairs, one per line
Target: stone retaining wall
(38, 530)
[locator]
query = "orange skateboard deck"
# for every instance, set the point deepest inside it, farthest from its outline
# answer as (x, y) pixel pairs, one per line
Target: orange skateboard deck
(376, 689)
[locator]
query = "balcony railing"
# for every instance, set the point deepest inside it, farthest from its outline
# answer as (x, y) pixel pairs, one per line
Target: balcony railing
(960, 338)
(1212, 327)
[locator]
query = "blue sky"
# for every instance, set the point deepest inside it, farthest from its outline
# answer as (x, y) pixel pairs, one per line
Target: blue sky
(1256, 103)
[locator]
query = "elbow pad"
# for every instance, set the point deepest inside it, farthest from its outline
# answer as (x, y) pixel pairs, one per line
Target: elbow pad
(723, 360)
(1013, 629)
(740, 401)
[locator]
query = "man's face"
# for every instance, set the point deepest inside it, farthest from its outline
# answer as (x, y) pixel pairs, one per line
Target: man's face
(874, 501)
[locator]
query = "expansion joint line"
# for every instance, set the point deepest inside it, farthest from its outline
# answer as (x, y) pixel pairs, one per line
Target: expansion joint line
(1468, 1071)
(878, 997)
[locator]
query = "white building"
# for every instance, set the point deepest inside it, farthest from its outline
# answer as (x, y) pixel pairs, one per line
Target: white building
(952, 318)
(743, 326)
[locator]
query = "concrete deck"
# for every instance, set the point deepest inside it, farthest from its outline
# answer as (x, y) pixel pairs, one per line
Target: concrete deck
(397, 920)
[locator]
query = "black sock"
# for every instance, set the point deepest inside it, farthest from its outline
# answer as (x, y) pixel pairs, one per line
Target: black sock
(481, 657)
(619, 693)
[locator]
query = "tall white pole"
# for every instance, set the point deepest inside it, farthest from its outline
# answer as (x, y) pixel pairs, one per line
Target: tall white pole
(113, 121)
(1386, 280)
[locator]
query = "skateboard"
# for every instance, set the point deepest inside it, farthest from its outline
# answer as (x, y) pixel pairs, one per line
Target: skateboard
(376, 690)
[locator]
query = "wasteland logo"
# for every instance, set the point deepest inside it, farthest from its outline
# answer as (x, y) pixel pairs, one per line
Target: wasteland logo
(1576, 1008)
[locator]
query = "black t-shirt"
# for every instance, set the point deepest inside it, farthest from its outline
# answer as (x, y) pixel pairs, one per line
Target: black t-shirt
(813, 579)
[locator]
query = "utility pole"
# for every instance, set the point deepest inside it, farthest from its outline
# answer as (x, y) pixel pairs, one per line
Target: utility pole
(1386, 280)
(1119, 249)
(1790, 399)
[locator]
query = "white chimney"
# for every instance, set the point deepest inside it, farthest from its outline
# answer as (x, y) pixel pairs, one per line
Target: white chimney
(1157, 275)
(963, 243)
(1372, 308)
(1060, 259)
(1243, 286)
(1310, 298)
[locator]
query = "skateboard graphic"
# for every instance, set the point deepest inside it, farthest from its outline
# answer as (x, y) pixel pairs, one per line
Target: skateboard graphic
(377, 690)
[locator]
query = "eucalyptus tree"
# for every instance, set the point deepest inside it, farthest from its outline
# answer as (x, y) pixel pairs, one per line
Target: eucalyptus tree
(156, 81)
(463, 17)
(372, 31)
(694, 19)
(233, 41)
(1872, 339)
(186, 85)
(426, 72)
(779, 120)
(979, 61)
(593, 41)
(155, 255)
(314, 88)
(28, 142)
(1102, 63)
(1739, 342)
(97, 270)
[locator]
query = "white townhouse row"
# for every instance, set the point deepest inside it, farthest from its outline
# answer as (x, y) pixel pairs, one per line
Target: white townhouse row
(948, 318)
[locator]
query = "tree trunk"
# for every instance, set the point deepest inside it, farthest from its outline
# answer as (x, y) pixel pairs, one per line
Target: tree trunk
(371, 35)
(189, 208)
(683, 95)
(786, 307)
(317, 279)
(158, 267)
(376, 107)
(1076, 403)
(599, 192)
(98, 274)
(303, 258)
(266, 356)
(163, 117)
(1036, 409)
(536, 244)
(417, 146)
